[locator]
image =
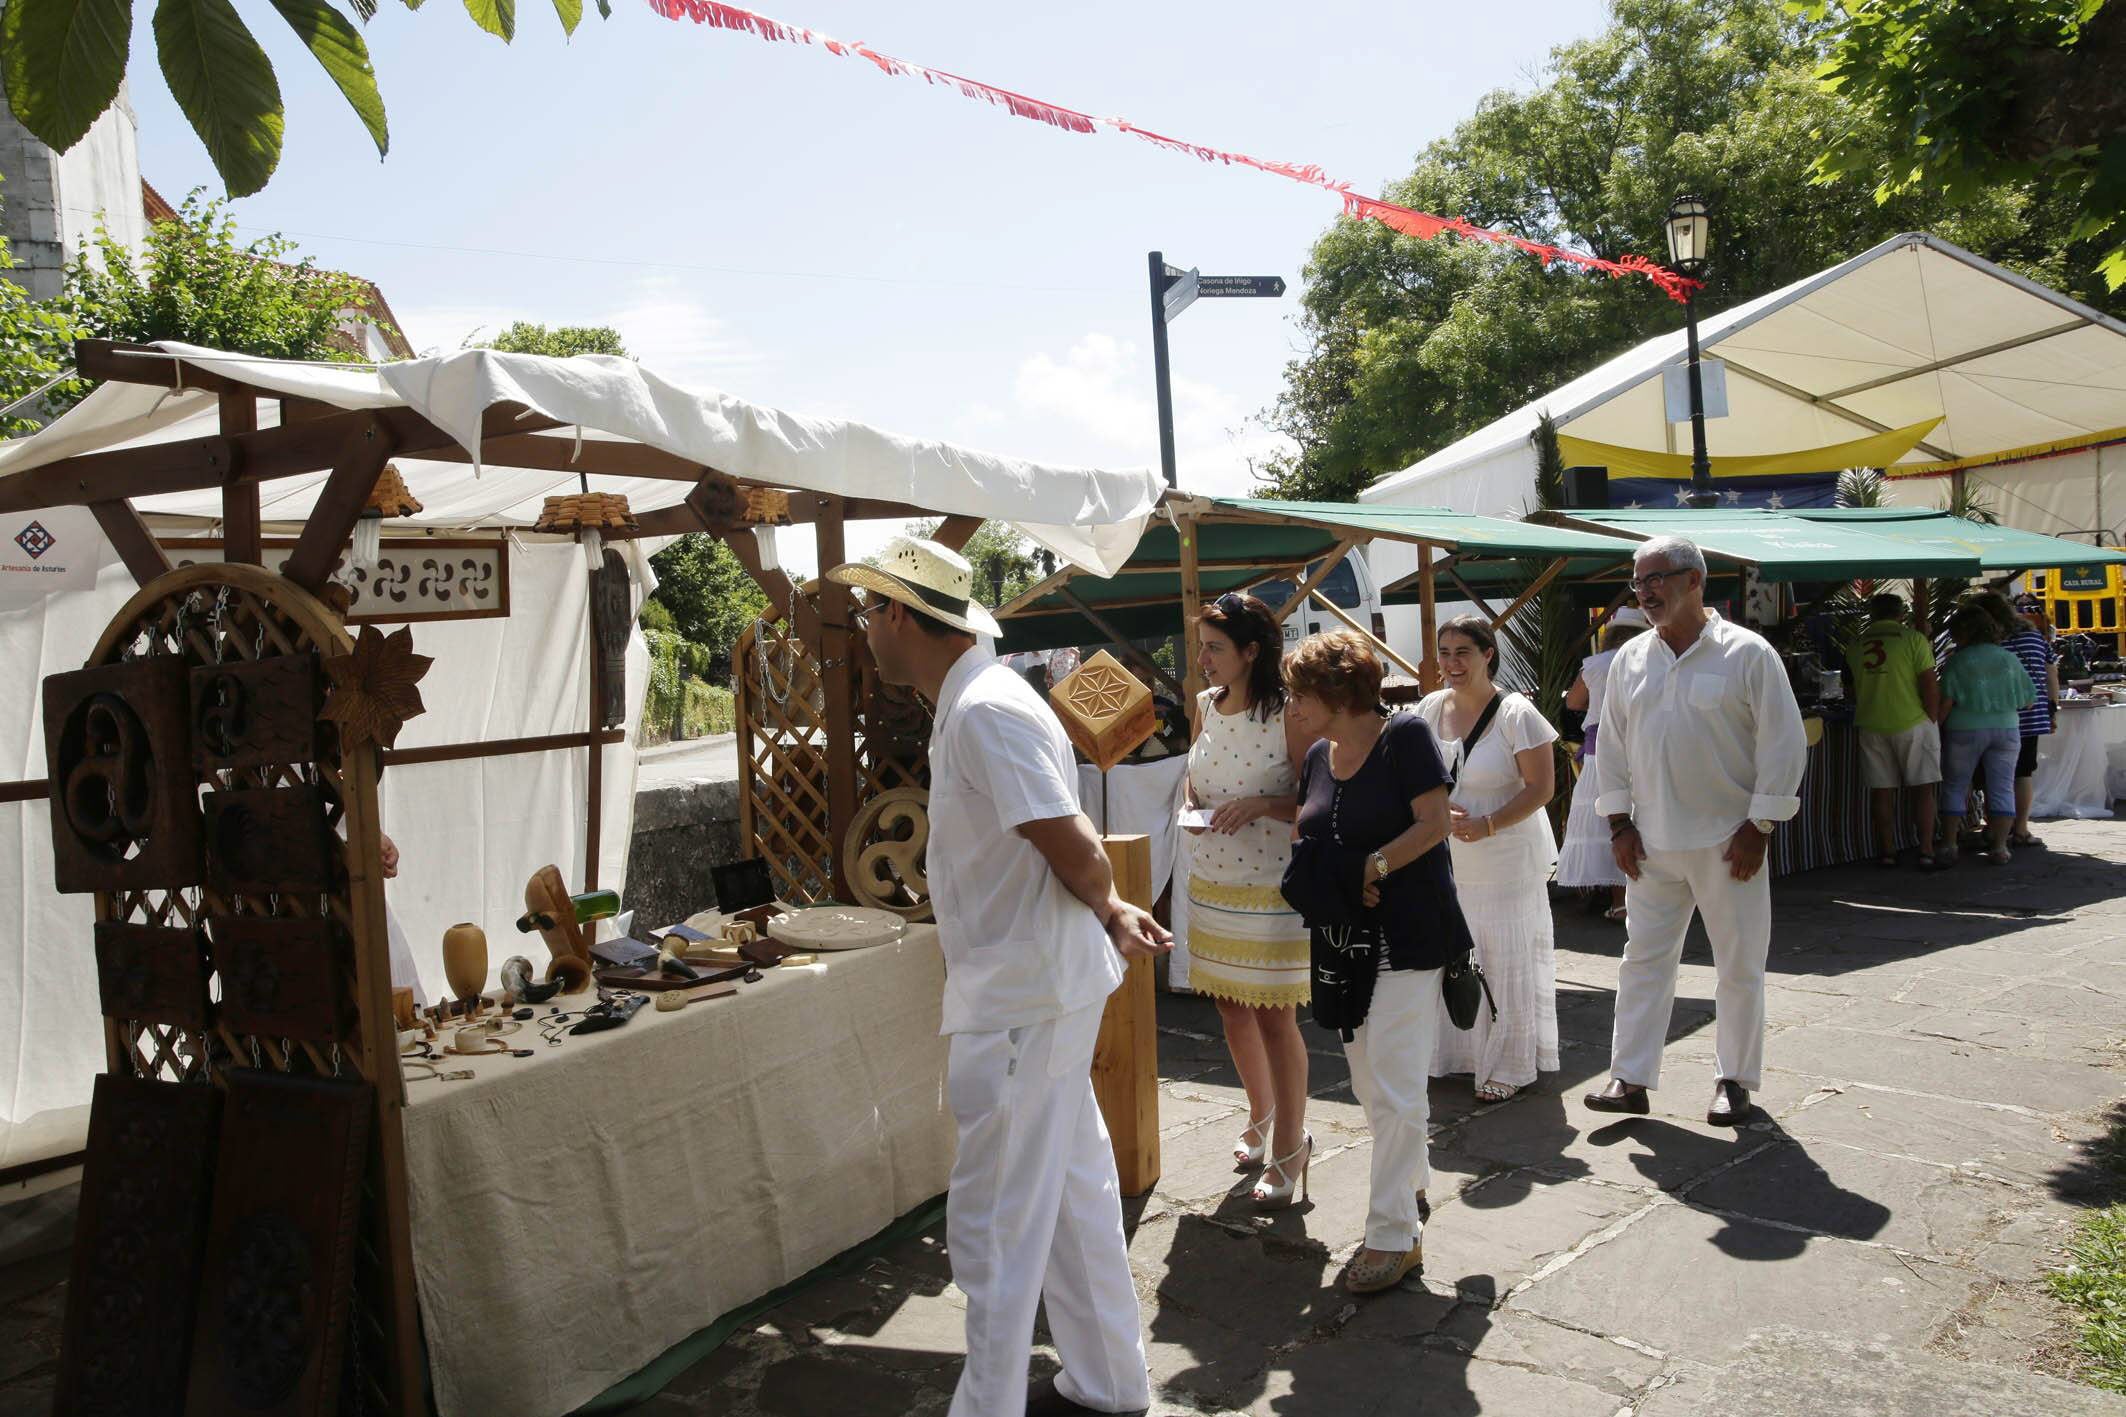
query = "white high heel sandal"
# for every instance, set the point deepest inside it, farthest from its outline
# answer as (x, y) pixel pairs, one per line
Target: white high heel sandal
(1270, 1196)
(1249, 1153)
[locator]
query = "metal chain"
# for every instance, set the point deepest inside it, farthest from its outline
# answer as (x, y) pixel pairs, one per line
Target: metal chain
(760, 653)
(220, 621)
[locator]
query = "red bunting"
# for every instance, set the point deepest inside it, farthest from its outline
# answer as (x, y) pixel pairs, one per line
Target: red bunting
(1421, 225)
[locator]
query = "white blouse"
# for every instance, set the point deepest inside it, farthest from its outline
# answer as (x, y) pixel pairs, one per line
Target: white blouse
(1487, 781)
(1240, 755)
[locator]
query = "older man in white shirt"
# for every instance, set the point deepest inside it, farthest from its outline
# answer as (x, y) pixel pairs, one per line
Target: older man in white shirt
(1033, 935)
(1702, 755)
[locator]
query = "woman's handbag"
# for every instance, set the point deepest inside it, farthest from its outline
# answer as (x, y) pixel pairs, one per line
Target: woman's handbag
(1464, 987)
(1322, 882)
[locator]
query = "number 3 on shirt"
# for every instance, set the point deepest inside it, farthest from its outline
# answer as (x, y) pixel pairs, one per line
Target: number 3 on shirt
(1877, 655)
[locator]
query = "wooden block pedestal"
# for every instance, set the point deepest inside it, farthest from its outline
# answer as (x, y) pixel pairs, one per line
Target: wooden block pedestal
(1126, 1058)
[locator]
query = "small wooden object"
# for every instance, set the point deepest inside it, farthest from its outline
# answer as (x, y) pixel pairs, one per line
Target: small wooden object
(282, 977)
(151, 973)
(266, 839)
(257, 712)
(585, 511)
(1126, 1058)
(402, 1007)
(1106, 710)
(465, 960)
(117, 739)
(547, 894)
(888, 874)
(612, 618)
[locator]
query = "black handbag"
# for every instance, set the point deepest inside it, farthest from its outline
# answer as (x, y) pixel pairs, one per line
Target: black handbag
(1322, 882)
(1462, 984)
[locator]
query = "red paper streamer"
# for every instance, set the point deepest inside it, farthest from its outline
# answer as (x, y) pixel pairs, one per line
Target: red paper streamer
(1409, 222)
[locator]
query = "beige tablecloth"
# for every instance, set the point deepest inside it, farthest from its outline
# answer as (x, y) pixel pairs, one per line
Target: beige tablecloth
(578, 1212)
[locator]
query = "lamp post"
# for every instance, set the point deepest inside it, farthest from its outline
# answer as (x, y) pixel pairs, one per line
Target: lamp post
(1689, 241)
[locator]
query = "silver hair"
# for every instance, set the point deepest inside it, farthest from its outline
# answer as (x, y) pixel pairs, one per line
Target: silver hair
(1681, 553)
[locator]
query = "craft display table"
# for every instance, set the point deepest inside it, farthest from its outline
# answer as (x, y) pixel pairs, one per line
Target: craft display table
(577, 1212)
(2074, 761)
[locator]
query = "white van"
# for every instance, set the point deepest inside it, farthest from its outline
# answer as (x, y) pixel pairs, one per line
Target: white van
(1350, 587)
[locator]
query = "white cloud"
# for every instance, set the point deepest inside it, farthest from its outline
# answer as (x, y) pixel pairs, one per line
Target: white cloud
(1102, 387)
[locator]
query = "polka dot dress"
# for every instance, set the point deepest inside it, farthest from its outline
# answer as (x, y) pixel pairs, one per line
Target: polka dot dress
(1245, 943)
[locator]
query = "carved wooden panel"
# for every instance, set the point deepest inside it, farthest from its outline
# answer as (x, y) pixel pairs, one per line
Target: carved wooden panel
(262, 839)
(612, 613)
(282, 978)
(417, 578)
(138, 1244)
(271, 1323)
(254, 713)
(1106, 710)
(152, 973)
(117, 746)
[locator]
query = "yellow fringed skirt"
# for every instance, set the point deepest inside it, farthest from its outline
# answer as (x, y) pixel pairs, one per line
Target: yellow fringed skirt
(1245, 944)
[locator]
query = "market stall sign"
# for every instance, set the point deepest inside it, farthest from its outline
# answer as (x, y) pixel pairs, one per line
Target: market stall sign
(416, 577)
(2085, 578)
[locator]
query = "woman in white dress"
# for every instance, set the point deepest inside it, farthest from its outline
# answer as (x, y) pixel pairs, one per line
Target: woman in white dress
(1585, 861)
(1247, 949)
(1503, 851)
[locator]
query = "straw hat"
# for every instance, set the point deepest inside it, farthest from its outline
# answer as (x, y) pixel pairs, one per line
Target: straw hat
(924, 576)
(1630, 615)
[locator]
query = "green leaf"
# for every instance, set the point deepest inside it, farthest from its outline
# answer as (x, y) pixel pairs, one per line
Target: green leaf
(497, 17)
(571, 13)
(605, 10)
(224, 84)
(336, 45)
(63, 61)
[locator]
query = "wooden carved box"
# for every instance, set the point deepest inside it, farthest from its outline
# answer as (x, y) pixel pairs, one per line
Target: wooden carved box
(255, 713)
(117, 746)
(262, 839)
(151, 973)
(282, 977)
(1106, 710)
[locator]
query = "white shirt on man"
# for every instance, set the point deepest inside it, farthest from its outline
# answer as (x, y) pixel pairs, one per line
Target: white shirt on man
(1696, 744)
(1019, 947)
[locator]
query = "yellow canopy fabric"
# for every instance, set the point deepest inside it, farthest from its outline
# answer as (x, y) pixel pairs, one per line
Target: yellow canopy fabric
(1875, 450)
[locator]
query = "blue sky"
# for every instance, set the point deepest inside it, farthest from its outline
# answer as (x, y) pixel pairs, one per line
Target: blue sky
(806, 231)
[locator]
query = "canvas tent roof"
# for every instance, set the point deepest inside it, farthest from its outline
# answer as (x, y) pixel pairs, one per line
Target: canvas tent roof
(1912, 330)
(1246, 541)
(1784, 547)
(2000, 549)
(1087, 516)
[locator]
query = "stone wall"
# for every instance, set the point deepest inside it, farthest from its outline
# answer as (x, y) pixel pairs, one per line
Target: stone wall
(50, 202)
(681, 830)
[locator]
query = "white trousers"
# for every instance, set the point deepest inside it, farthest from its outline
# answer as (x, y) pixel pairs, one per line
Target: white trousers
(1738, 921)
(1391, 1066)
(1035, 1213)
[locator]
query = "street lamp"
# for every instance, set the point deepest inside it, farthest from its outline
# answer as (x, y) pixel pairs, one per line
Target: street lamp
(1689, 241)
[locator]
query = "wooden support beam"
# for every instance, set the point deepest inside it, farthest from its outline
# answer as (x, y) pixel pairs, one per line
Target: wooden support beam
(354, 473)
(1427, 622)
(1313, 582)
(35, 789)
(496, 748)
(837, 667)
(239, 498)
(130, 537)
(1469, 594)
(956, 532)
(1129, 651)
(1378, 644)
(1191, 614)
(1535, 588)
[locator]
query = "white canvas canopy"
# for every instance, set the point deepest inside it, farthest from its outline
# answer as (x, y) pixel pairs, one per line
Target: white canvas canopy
(2025, 382)
(469, 831)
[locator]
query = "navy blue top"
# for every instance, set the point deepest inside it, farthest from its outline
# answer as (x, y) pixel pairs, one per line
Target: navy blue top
(1418, 913)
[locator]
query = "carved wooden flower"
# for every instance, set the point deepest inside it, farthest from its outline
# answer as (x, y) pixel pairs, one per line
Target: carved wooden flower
(374, 688)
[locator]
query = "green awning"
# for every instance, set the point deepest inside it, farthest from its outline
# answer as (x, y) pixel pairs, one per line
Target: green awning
(1999, 549)
(1243, 542)
(1784, 546)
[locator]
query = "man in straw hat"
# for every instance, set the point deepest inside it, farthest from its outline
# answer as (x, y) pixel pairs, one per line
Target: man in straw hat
(1033, 935)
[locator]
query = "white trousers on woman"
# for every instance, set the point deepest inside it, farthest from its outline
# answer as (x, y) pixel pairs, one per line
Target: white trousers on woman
(1036, 1212)
(1391, 1065)
(1738, 922)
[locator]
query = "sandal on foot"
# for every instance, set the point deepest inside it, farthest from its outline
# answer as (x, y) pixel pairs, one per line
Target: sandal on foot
(1615, 914)
(1495, 1091)
(1249, 1153)
(1371, 1276)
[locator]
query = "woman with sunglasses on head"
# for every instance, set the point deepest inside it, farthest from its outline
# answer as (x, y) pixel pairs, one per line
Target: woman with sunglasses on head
(1247, 949)
(1498, 750)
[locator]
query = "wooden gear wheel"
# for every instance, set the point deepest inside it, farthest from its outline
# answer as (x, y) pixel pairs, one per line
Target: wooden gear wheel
(889, 874)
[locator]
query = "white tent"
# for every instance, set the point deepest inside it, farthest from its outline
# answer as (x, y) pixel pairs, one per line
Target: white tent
(2026, 382)
(469, 831)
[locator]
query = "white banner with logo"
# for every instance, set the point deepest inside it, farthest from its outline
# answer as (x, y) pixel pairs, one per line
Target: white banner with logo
(53, 548)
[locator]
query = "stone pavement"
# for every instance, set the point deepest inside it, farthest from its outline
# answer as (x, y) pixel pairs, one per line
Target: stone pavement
(1945, 1052)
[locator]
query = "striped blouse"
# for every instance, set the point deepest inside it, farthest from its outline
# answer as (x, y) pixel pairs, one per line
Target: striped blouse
(2037, 655)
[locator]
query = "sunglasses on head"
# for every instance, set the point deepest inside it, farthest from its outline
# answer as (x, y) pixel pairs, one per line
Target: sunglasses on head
(1230, 604)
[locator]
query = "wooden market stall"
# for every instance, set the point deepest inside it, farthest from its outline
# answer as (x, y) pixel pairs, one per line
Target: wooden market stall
(213, 778)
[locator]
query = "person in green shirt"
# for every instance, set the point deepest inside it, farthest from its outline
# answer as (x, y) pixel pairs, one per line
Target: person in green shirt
(1983, 690)
(1900, 746)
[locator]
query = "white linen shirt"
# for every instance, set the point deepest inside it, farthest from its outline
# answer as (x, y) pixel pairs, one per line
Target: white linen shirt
(1019, 947)
(1696, 744)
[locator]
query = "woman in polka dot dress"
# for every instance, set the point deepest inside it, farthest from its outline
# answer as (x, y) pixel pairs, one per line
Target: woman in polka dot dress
(1247, 949)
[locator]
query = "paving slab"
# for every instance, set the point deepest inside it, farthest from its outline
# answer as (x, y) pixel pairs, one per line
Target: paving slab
(1920, 1206)
(2002, 1142)
(1945, 1069)
(1523, 1340)
(1808, 1374)
(1358, 1376)
(1509, 1243)
(1275, 1294)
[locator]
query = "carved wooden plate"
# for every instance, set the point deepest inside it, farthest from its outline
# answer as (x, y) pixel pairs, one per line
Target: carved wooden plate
(836, 927)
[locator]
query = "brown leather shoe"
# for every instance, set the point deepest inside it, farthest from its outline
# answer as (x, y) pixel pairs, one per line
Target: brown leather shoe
(1730, 1105)
(1042, 1400)
(1619, 1096)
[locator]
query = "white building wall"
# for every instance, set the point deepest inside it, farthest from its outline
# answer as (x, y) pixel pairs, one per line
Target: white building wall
(50, 202)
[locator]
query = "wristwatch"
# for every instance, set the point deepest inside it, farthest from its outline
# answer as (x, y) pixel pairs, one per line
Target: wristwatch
(1379, 861)
(1765, 826)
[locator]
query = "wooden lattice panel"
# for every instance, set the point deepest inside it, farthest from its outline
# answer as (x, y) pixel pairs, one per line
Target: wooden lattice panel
(787, 756)
(235, 616)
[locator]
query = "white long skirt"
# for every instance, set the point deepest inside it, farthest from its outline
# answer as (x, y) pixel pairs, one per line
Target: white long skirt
(1511, 923)
(1585, 859)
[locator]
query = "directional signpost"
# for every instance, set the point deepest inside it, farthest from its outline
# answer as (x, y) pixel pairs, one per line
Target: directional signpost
(1173, 291)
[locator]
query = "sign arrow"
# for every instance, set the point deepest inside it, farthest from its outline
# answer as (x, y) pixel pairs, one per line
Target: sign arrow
(1180, 294)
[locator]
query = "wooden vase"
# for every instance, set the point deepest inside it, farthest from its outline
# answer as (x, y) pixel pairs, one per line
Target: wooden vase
(465, 960)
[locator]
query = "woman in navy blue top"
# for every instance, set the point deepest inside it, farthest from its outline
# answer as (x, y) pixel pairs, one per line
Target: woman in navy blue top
(1373, 826)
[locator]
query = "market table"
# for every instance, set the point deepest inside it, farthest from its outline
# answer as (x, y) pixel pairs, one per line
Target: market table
(1832, 827)
(578, 1212)
(2074, 761)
